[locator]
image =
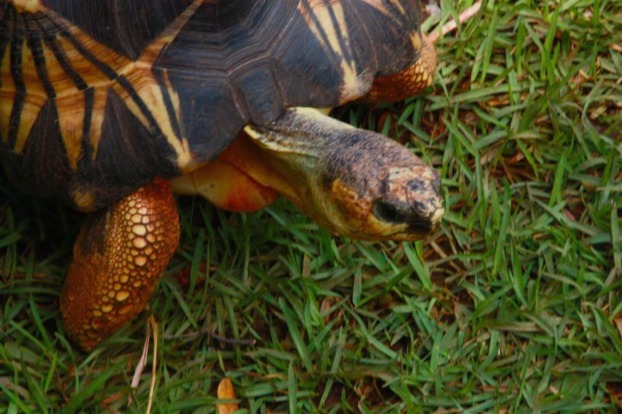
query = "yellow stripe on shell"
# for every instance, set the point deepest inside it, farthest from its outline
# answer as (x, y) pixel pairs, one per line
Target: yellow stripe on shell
(381, 6)
(331, 37)
(35, 95)
(28, 6)
(71, 122)
(70, 99)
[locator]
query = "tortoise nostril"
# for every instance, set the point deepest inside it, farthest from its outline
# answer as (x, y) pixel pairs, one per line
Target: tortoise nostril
(388, 212)
(416, 185)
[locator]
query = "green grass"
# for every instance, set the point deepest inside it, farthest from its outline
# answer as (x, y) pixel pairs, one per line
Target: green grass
(514, 305)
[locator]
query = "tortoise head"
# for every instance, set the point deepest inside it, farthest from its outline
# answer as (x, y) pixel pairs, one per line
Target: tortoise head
(354, 182)
(384, 198)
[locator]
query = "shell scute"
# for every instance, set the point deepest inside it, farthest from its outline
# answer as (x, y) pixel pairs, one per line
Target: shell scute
(124, 26)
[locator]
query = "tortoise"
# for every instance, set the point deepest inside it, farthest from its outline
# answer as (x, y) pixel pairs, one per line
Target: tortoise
(111, 105)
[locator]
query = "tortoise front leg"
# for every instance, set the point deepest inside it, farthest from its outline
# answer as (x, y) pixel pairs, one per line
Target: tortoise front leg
(119, 257)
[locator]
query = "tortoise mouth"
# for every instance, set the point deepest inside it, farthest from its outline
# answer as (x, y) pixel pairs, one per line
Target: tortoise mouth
(417, 218)
(411, 225)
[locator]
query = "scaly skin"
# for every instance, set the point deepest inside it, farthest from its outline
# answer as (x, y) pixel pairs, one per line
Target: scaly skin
(118, 258)
(410, 81)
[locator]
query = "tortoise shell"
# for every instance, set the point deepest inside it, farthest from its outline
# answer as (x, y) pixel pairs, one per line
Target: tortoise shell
(99, 97)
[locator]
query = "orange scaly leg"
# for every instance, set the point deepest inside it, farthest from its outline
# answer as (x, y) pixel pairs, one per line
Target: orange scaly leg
(410, 81)
(119, 257)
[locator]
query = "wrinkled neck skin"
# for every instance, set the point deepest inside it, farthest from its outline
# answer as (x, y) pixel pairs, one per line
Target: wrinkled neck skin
(354, 182)
(292, 170)
(298, 149)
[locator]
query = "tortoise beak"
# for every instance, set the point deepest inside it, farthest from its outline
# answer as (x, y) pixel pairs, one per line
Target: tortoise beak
(410, 198)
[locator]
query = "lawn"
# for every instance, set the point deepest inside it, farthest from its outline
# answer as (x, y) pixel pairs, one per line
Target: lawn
(513, 305)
